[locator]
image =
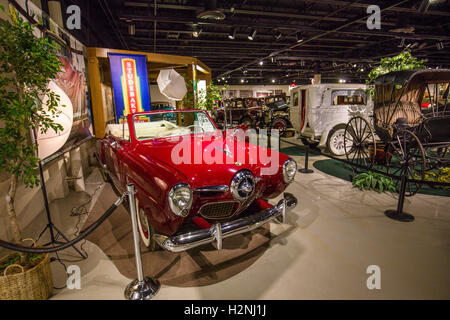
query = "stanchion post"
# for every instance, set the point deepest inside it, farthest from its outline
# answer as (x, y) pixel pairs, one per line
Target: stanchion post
(142, 288)
(398, 214)
(306, 170)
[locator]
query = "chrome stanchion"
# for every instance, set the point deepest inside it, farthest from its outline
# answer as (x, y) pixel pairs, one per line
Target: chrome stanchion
(142, 288)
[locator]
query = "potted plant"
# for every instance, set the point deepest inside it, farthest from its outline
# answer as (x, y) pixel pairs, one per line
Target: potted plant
(27, 64)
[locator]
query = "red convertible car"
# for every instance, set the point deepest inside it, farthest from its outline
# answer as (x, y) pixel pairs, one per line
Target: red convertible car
(195, 184)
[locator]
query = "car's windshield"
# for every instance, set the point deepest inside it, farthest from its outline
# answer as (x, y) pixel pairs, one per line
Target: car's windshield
(169, 124)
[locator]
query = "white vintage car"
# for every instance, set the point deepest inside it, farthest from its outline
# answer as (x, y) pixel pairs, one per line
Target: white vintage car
(319, 113)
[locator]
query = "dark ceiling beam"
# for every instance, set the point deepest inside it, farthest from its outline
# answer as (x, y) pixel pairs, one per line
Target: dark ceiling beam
(272, 26)
(395, 9)
(241, 35)
(255, 12)
(236, 11)
(243, 43)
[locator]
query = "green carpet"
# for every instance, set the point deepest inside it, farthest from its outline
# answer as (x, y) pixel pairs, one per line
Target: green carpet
(343, 171)
(295, 151)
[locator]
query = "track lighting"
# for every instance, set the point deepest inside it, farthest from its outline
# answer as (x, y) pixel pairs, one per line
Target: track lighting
(277, 35)
(132, 29)
(196, 32)
(232, 35)
(299, 37)
(252, 34)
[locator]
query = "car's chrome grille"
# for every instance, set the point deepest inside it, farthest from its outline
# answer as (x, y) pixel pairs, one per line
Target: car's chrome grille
(218, 210)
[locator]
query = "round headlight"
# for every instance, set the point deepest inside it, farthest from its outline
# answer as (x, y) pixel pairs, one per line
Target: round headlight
(180, 199)
(289, 170)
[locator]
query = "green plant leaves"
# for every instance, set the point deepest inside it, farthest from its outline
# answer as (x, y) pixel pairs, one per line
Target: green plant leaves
(373, 181)
(27, 64)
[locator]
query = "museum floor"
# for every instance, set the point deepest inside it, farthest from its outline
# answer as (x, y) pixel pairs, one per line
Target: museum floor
(333, 235)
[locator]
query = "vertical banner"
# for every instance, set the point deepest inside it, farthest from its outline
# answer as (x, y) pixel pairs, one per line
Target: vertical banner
(130, 83)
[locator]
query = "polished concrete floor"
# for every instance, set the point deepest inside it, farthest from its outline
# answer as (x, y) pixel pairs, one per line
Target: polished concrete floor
(332, 237)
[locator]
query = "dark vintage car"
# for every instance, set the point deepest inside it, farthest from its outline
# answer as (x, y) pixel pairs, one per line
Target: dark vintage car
(238, 111)
(259, 113)
(183, 199)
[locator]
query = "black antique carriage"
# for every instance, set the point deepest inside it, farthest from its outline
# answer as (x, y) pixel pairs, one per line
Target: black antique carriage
(410, 131)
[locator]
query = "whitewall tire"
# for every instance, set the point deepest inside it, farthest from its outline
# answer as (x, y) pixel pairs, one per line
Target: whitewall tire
(145, 229)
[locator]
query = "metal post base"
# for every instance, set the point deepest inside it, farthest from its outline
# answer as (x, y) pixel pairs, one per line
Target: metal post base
(399, 216)
(305, 170)
(142, 290)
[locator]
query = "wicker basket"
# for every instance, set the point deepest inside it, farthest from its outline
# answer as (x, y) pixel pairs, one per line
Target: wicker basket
(33, 284)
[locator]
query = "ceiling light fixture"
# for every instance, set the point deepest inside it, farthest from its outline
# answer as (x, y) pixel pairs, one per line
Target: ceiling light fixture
(211, 12)
(132, 29)
(252, 34)
(299, 37)
(196, 32)
(277, 35)
(232, 35)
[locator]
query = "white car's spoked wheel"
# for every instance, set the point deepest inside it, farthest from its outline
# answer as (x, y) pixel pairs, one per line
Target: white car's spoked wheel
(145, 229)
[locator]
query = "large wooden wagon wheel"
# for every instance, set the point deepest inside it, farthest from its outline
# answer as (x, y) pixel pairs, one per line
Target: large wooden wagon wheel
(406, 156)
(358, 137)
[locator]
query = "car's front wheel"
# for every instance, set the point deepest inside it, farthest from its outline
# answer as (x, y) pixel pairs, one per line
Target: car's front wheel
(145, 229)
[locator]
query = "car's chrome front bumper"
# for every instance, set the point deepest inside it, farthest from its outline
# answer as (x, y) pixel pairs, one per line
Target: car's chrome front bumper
(219, 231)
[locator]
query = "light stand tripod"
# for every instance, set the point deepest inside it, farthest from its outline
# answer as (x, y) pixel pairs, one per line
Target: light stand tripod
(50, 226)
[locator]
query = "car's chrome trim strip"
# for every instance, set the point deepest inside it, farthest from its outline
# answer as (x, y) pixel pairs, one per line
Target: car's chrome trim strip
(182, 242)
(220, 188)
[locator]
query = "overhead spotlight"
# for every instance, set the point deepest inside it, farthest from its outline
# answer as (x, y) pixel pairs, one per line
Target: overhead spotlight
(223, 78)
(196, 32)
(244, 71)
(242, 80)
(273, 80)
(132, 29)
(362, 69)
(335, 64)
(299, 37)
(277, 35)
(272, 59)
(232, 35)
(261, 63)
(440, 45)
(252, 34)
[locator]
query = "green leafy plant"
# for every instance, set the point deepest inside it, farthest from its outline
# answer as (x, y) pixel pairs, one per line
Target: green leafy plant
(206, 99)
(27, 64)
(403, 61)
(373, 181)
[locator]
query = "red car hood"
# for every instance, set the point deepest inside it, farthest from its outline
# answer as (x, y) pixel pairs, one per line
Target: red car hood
(212, 160)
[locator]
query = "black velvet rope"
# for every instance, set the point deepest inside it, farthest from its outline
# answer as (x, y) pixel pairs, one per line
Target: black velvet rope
(72, 242)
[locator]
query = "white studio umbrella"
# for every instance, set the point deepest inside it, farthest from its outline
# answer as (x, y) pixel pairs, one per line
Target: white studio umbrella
(171, 84)
(50, 142)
